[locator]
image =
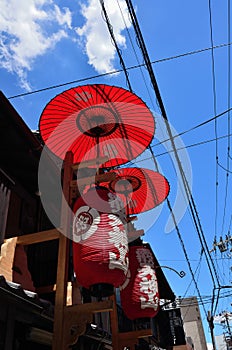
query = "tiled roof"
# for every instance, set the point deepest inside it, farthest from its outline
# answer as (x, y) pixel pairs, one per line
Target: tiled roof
(15, 292)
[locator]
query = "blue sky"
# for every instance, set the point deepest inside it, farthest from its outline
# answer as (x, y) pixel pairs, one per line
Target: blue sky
(45, 43)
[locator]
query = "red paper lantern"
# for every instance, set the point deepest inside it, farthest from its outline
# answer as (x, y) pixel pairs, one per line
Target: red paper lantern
(100, 245)
(139, 294)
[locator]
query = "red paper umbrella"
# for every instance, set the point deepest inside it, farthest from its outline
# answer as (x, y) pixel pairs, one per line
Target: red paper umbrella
(140, 189)
(95, 121)
(100, 245)
(139, 294)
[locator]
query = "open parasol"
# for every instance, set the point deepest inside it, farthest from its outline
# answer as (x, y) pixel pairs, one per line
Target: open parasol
(140, 189)
(95, 121)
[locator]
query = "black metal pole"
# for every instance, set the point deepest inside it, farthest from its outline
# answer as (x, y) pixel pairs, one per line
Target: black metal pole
(211, 327)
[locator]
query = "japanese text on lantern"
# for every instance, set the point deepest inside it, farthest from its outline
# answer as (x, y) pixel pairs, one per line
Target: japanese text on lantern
(148, 281)
(118, 238)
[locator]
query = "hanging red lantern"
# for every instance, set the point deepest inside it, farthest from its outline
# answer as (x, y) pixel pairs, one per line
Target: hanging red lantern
(139, 294)
(100, 245)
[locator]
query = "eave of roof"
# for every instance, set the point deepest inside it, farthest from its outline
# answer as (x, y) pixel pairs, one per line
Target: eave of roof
(6, 107)
(27, 302)
(19, 148)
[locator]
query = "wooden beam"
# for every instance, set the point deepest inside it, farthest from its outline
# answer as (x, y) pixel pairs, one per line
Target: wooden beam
(132, 235)
(107, 177)
(74, 325)
(46, 289)
(38, 237)
(63, 253)
(7, 253)
(94, 307)
(130, 339)
(141, 333)
(76, 317)
(131, 218)
(91, 162)
(114, 324)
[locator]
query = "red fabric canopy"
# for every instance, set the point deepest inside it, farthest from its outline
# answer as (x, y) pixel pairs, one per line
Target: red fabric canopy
(139, 294)
(100, 245)
(95, 121)
(140, 189)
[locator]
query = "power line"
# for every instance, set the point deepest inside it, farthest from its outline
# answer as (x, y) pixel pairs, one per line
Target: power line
(116, 71)
(182, 148)
(205, 300)
(194, 127)
(196, 270)
(135, 54)
(214, 108)
(228, 123)
(185, 253)
(110, 28)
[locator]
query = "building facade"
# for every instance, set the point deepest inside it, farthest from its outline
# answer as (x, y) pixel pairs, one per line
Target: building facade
(192, 322)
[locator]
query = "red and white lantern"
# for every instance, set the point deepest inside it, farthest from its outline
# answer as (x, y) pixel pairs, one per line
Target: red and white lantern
(139, 294)
(100, 245)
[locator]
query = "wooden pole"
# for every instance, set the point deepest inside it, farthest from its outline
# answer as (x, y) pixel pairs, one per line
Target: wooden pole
(114, 324)
(63, 255)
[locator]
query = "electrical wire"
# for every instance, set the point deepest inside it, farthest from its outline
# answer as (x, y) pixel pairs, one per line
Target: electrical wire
(179, 149)
(207, 301)
(185, 254)
(228, 121)
(110, 28)
(196, 270)
(229, 91)
(194, 127)
(115, 71)
(135, 54)
(227, 175)
(215, 110)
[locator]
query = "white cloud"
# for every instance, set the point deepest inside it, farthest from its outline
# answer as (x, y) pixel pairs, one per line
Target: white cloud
(24, 36)
(63, 17)
(98, 44)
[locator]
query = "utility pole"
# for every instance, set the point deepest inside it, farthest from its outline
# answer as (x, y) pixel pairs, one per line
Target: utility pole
(211, 327)
(228, 324)
(225, 318)
(222, 244)
(229, 337)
